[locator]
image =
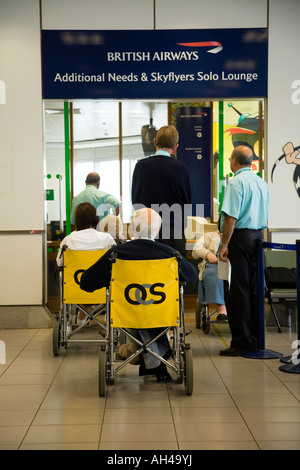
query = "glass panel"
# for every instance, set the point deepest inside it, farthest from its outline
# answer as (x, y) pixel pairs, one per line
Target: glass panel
(241, 127)
(54, 139)
(138, 121)
(239, 122)
(55, 159)
(96, 144)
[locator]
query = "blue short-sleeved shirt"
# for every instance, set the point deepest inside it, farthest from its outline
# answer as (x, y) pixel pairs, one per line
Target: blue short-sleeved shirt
(247, 200)
(104, 202)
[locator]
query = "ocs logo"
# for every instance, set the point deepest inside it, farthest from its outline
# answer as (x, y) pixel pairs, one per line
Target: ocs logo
(76, 276)
(136, 294)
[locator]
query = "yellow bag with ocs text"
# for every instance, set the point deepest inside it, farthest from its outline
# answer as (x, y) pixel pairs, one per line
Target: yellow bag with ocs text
(75, 262)
(144, 293)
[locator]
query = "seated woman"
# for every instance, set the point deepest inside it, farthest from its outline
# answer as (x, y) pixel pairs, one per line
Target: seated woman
(210, 287)
(85, 236)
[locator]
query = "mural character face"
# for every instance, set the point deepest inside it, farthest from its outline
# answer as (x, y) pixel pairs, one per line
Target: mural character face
(290, 153)
(246, 133)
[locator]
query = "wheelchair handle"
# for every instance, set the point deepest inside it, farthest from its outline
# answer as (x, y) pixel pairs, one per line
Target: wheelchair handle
(64, 248)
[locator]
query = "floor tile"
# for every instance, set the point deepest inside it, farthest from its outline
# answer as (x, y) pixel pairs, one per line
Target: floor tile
(275, 431)
(134, 415)
(22, 397)
(16, 417)
(12, 435)
(61, 446)
(213, 432)
(279, 445)
(68, 416)
(136, 432)
(134, 445)
(271, 414)
(74, 433)
(206, 415)
(218, 445)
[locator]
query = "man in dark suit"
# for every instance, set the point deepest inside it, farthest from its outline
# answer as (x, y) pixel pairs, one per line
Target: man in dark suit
(163, 183)
(144, 227)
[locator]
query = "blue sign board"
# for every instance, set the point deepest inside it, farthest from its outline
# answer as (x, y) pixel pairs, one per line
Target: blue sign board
(155, 64)
(194, 128)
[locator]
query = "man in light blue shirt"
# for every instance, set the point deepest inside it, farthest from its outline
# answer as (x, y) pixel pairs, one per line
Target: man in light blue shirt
(247, 200)
(244, 215)
(104, 202)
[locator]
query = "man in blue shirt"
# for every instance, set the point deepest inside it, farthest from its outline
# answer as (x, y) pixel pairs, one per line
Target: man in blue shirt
(104, 202)
(244, 215)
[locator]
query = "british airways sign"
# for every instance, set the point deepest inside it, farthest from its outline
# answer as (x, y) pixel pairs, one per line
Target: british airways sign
(155, 64)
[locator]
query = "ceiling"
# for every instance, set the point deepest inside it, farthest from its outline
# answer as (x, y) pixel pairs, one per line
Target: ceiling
(98, 121)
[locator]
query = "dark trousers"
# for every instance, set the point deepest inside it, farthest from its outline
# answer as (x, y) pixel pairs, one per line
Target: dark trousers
(174, 241)
(241, 295)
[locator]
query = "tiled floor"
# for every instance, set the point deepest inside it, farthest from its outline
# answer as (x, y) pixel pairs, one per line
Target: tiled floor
(49, 402)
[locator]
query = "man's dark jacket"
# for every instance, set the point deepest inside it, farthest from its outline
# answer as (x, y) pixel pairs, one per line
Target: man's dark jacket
(98, 275)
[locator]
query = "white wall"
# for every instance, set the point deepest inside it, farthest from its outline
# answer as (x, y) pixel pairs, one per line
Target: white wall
(21, 154)
(211, 14)
(97, 14)
(21, 150)
(21, 273)
(283, 115)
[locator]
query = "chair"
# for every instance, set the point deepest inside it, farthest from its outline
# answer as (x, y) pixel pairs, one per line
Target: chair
(280, 291)
(146, 294)
(73, 299)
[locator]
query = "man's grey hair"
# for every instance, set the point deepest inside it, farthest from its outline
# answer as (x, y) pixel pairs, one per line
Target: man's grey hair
(145, 223)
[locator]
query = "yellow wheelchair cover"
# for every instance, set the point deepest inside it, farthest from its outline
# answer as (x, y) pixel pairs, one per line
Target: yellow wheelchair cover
(75, 262)
(144, 293)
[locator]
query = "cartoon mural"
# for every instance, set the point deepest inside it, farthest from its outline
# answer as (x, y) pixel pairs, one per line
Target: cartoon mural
(246, 132)
(290, 153)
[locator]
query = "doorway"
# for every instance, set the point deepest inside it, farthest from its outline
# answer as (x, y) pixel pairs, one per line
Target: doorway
(108, 137)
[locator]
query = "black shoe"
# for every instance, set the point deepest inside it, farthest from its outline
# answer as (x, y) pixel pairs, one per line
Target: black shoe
(144, 371)
(163, 378)
(232, 351)
(162, 375)
(222, 317)
(168, 354)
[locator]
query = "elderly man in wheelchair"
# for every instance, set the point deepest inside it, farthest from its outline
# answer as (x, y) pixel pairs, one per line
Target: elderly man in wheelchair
(144, 228)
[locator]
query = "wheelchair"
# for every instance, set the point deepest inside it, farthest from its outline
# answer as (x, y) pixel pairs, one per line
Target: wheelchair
(74, 300)
(154, 302)
(203, 317)
(208, 289)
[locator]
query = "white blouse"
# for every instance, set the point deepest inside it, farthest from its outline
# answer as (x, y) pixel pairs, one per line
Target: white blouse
(87, 239)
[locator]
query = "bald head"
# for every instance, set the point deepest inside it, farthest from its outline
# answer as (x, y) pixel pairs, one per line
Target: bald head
(145, 223)
(93, 178)
(243, 155)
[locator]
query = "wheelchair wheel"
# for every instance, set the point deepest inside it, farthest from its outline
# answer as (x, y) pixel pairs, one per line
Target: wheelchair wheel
(188, 370)
(206, 328)
(198, 314)
(56, 337)
(205, 319)
(102, 372)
